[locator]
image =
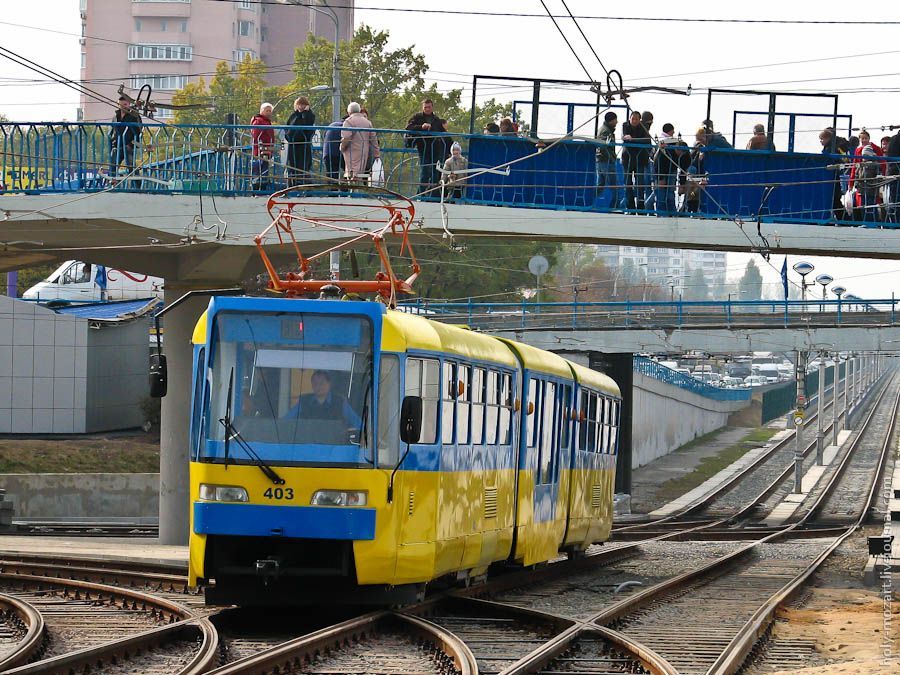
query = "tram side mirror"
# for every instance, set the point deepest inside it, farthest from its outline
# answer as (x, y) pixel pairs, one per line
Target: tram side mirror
(158, 375)
(411, 419)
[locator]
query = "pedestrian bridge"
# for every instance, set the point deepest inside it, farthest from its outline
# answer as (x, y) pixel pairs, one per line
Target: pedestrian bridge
(188, 208)
(728, 326)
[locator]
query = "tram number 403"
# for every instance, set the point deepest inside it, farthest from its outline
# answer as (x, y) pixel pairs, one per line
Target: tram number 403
(279, 493)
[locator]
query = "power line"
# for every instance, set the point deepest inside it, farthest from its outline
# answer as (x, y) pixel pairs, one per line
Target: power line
(590, 46)
(568, 44)
(590, 17)
(61, 79)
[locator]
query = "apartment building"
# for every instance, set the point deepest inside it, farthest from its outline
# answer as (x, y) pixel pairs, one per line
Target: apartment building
(668, 266)
(168, 43)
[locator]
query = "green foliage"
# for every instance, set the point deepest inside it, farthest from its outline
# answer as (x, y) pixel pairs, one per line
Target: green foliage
(750, 285)
(696, 288)
(28, 277)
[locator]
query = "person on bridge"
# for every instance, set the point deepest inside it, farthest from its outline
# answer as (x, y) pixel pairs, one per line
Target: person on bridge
(607, 175)
(893, 153)
(263, 137)
(665, 165)
(431, 148)
(331, 150)
(865, 173)
(125, 130)
(299, 138)
(760, 140)
(358, 144)
(649, 178)
(635, 158)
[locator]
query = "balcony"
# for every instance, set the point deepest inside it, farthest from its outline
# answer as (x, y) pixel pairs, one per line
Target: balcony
(161, 8)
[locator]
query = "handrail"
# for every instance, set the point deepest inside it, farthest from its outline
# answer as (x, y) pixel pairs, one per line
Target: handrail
(657, 371)
(559, 174)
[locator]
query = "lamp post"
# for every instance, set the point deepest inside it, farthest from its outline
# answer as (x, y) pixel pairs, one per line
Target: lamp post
(803, 269)
(335, 62)
(824, 280)
(838, 290)
(835, 397)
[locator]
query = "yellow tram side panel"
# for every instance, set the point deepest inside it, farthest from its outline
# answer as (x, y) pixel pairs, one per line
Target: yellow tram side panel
(538, 541)
(592, 489)
(467, 532)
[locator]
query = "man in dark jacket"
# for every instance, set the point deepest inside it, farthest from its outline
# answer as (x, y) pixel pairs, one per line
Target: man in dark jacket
(432, 149)
(126, 128)
(607, 176)
(635, 158)
(299, 159)
(331, 149)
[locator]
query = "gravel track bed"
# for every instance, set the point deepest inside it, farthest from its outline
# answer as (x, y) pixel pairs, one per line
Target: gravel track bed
(496, 642)
(592, 655)
(692, 626)
(12, 630)
(581, 595)
(383, 653)
(843, 504)
(165, 659)
(880, 419)
(76, 624)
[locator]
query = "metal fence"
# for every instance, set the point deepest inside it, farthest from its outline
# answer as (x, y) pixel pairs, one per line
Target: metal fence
(512, 171)
(674, 314)
(657, 371)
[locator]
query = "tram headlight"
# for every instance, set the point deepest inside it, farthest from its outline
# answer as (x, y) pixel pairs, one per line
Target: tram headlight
(222, 493)
(339, 498)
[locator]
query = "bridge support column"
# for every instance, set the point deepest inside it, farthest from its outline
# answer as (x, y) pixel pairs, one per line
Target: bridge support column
(620, 367)
(176, 416)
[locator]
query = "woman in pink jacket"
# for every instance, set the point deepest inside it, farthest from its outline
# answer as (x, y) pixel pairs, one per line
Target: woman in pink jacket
(357, 144)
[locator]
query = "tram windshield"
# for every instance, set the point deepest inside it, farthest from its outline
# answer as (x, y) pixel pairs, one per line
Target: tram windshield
(289, 388)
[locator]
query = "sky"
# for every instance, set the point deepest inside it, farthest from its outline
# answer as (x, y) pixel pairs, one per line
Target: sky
(858, 62)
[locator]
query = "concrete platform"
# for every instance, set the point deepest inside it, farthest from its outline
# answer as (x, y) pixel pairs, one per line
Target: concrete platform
(781, 513)
(107, 549)
(716, 481)
(880, 569)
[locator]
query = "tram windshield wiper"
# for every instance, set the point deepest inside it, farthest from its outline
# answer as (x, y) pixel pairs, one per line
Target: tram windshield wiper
(231, 433)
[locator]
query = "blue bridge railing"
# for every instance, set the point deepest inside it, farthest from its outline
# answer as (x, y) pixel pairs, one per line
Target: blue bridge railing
(657, 371)
(675, 314)
(219, 159)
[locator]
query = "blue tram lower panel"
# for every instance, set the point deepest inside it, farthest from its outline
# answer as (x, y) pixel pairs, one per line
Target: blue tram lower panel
(302, 522)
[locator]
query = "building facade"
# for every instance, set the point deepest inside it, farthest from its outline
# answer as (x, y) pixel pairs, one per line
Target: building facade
(668, 266)
(169, 43)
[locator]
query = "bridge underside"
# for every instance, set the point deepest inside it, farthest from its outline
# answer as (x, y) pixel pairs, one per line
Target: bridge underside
(185, 238)
(711, 340)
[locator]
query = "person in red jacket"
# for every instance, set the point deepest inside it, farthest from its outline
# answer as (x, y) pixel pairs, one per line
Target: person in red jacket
(263, 146)
(865, 173)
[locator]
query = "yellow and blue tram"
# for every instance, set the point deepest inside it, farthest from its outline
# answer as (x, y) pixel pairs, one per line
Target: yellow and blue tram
(344, 450)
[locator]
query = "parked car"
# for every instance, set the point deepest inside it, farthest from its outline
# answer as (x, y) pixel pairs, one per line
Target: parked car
(755, 380)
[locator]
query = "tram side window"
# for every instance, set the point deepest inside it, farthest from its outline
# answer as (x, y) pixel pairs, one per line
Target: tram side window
(197, 418)
(493, 407)
(548, 413)
(506, 405)
(532, 421)
(422, 379)
(614, 432)
(478, 400)
(389, 411)
(603, 440)
(448, 402)
(565, 418)
(592, 422)
(463, 403)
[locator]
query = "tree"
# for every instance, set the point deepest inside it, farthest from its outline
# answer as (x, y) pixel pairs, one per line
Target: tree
(238, 92)
(750, 285)
(697, 287)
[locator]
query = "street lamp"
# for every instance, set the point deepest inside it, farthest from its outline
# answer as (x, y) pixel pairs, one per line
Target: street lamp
(335, 71)
(824, 280)
(838, 290)
(803, 269)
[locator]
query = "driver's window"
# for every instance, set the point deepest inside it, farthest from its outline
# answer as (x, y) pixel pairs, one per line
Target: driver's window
(73, 273)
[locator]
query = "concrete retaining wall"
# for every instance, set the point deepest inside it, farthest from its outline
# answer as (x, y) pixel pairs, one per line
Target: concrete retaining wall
(82, 495)
(666, 417)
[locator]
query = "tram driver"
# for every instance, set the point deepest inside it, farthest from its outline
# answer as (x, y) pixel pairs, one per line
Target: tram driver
(324, 404)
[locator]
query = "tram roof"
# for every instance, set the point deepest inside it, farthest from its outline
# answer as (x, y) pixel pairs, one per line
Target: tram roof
(595, 380)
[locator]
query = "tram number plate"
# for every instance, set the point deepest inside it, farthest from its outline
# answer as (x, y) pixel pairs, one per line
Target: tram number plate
(279, 493)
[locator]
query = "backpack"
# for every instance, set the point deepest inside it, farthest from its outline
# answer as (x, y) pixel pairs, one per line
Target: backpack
(868, 170)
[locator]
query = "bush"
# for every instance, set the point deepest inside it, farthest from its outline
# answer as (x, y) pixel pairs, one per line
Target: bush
(152, 410)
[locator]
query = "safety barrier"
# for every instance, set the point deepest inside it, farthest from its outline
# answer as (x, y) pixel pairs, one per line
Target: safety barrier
(674, 314)
(505, 170)
(657, 371)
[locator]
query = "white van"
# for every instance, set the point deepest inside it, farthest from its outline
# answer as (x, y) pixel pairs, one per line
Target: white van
(76, 281)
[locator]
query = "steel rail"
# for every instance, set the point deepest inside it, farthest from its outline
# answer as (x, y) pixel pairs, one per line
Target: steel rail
(732, 659)
(728, 484)
(93, 658)
(308, 646)
(104, 575)
(34, 633)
